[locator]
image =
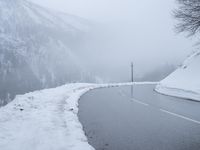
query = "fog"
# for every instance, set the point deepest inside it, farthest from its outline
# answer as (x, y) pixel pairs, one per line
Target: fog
(129, 30)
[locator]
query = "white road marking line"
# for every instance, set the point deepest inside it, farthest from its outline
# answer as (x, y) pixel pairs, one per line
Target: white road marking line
(140, 102)
(180, 116)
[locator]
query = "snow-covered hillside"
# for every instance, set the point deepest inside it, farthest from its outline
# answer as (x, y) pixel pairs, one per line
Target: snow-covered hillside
(37, 47)
(185, 81)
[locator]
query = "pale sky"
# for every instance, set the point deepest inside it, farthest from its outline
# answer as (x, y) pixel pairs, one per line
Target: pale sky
(106, 9)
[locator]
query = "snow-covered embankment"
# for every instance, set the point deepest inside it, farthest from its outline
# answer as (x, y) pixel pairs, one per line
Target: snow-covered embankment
(47, 119)
(44, 120)
(185, 81)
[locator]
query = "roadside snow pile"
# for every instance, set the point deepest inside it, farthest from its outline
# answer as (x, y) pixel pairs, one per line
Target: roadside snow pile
(185, 81)
(47, 119)
(44, 120)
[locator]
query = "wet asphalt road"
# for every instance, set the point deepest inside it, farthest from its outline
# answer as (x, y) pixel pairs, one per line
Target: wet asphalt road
(139, 119)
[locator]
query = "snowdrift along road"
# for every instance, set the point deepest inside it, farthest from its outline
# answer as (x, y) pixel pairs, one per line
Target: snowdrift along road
(46, 119)
(185, 81)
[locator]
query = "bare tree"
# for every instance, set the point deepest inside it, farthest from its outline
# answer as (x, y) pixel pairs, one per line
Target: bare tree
(188, 15)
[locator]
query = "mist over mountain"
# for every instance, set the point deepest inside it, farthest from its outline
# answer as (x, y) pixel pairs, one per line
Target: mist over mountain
(37, 47)
(42, 48)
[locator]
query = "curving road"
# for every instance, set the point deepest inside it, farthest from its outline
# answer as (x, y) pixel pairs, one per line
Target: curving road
(137, 118)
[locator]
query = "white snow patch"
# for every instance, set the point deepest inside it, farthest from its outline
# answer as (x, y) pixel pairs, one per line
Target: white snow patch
(185, 81)
(44, 120)
(47, 119)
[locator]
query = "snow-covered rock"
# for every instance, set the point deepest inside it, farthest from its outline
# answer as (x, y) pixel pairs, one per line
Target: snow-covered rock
(185, 81)
(37, 47)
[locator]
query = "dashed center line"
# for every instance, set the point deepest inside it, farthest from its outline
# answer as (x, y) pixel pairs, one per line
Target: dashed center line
(166, 111)
(180, 116)
(140, 102)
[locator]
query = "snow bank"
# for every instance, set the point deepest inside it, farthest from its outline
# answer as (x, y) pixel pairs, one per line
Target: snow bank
(185, 81)
(47, 119)
(44, 120)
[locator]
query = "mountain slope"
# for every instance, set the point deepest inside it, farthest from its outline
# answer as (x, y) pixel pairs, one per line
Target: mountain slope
(37, 47)
(185, 81)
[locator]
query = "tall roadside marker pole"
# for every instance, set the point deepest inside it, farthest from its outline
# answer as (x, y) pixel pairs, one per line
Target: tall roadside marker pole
(132, 79)
(132, 72)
